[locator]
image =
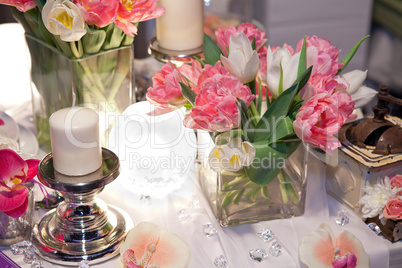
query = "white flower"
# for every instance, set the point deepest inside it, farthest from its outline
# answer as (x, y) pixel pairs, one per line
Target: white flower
(62, 17)
(281, 57)
(232, 156)
(376, 197)
(360, 94)
(242, 60)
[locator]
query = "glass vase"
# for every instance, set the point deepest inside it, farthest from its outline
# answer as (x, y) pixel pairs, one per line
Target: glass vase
(234, 199)
(103, 82)
(14, 230)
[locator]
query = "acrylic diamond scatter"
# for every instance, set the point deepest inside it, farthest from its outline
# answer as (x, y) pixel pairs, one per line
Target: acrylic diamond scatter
(182, 214)
(20, 247)
(195, 203)
(258, 254)
(266, 235)
(276, 249)
(209, 229)
(37, 263)
(220, 262)
(84, 264)
(29, 256)
(145, 200)
(373, 226)
(342, 218)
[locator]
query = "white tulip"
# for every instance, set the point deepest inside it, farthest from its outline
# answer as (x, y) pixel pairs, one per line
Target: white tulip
(232, 156)
(359, 93)
(281, 57)
(242, 60)
(62, 17)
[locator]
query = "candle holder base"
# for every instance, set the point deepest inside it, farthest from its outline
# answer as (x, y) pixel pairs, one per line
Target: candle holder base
(177, 57)
(82, 227)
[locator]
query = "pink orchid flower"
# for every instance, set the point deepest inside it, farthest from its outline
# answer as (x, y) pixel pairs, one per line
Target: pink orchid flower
(223, 36)
(130, 12)
(320, 249)
(98, 12)
(321, 117)
(216, 107)
(21, 5)
(148, 246)
(14, 172)
(1, 122)
(166, 91)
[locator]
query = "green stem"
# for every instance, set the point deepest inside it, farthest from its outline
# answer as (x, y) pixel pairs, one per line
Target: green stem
(282, 185)
(254, 113)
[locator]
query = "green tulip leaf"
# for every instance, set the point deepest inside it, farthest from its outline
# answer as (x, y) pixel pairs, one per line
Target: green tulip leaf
(188, 93)
(350, 54)
(114, 37)
(212, 52)
(93, 41)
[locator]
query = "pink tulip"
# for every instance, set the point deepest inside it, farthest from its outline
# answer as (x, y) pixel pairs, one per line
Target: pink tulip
(321, 117)
(166, 90)
(130, 12)
(14, 172)
(21, 5)
(322, 55)
(216, 107)
(252, 32)
(320, 83)
(98, 12)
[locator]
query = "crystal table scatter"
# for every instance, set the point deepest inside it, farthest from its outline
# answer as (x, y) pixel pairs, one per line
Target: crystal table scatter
(209, 229)
(266, 235)
(276, 249)
(342, 218)
(258, 254)
(220, 262)
(82, 227)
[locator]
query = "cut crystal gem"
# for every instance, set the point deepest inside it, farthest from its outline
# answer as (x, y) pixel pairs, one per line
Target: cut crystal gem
(276, 249)
(183, 215)
(209, 229)
(220, 262)
(258, 254)
(20, 247)
(37, 263)
(145, 200)
(29, 256)
(84, 264)
(266, 235)
(195, 203)
(373, 226)
(342, 218)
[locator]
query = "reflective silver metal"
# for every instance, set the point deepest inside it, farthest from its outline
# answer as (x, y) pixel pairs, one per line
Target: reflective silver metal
(176, 57)
(82, 227)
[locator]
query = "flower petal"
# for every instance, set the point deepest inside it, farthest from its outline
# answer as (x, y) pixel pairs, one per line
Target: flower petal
(347, 242)
(32, 168)
(363, 96)
(10, 200)
(11, 165)
(18, 211)
(316, 248)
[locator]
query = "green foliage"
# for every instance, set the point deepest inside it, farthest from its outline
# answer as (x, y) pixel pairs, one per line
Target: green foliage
(351, 53)
(212, 52)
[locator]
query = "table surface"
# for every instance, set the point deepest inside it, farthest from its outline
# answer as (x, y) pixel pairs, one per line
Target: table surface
(232, 242)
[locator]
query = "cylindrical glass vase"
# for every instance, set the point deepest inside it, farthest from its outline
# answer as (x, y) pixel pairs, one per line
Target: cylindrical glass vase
(234, 199)
(14, 230)
(103, 82)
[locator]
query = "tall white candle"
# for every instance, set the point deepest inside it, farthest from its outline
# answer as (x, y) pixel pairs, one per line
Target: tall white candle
(74, 134)
(182, 25)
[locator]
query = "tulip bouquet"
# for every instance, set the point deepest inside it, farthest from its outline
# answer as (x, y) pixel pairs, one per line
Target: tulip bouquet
(81, 50)
(260, 103)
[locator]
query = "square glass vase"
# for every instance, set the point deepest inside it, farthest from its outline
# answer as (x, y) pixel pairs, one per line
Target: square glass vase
(103, 82)
(235, 200)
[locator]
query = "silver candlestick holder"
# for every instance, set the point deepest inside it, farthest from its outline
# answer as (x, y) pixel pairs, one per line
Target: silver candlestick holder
(177, 57)
(82, 227)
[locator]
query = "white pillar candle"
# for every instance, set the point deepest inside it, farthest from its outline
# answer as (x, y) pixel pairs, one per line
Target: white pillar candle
(182, 25)
(74, 133)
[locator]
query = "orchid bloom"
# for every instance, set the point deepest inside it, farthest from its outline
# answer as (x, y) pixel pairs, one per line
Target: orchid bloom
(242, 61)
(1, 122)
(360, 94)
(130, 12)
(281, 60)
(14, 172)
(232, 156)
(318, 250)
(21, 5)
(64, 18)
(149, 247)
